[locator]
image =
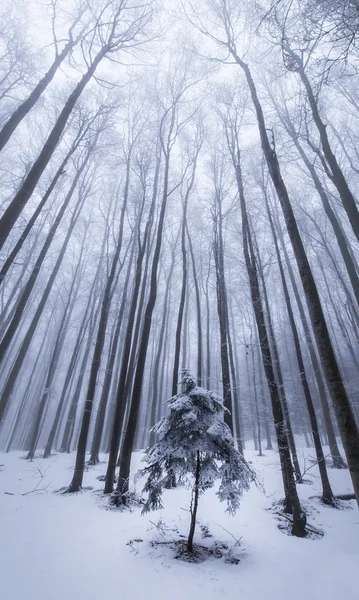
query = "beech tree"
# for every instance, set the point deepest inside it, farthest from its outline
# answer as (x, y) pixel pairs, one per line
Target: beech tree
(225, 14)
(119, 26)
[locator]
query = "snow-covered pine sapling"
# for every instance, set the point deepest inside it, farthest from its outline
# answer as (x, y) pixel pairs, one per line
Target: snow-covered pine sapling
(198, 447)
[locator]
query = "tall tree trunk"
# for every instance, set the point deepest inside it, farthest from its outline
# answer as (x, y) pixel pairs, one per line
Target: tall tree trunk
(222, 309)
(14, 372)
(208, 334)
(24, 108)
(71, 417)
(327, 494)
(129, 436)
(120, 402)
(336, 175)
(100, 419)
(278, 372)
(160, 349)
(198, 311)
(56, 352)
(338, 231)
(264, 402)
(11, 330)
(337, 459)
(175, 372)
(60, 171)
(16, 206)
(259, 435)
(28, 390)
(345, 415)
(77, 478)
(292, 503)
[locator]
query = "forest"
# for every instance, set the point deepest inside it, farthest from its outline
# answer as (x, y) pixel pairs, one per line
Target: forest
(179, 298)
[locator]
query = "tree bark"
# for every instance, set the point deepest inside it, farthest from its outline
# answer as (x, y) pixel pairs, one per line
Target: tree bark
(14, 209)
(76, 483)
(345, 415)
(194, 506)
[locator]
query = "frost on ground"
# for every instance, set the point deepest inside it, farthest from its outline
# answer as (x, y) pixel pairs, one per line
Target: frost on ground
(60, 547)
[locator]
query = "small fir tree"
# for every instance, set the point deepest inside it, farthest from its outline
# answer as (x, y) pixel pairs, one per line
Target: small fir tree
(198, 447)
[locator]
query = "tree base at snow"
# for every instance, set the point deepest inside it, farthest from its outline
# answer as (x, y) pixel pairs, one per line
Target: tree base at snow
(286, 520)
(286, 525)
(200, 552)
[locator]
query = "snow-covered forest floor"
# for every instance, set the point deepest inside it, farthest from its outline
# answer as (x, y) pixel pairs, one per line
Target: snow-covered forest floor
(57, 546)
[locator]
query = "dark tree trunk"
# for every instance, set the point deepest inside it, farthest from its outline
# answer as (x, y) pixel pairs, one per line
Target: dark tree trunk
(175, 372)
(156, 368)
(129, 436)
(27, 188)
(20, 113)
(41, 408)
(68, 378)
(339, 234)
(292, 503)
(15, 322)
(120, 402)
(14, 372)
(222, 310)
(76, 482)
(337, 459)
(264, 402)
(100, 419)
(71, 417)
(60, 171)
(336, 174)
(194, 506)
(327, 494)
(279, 376)
(198, 312)
(259, 435)
(208, 335)
(345, 415)
(28, 392)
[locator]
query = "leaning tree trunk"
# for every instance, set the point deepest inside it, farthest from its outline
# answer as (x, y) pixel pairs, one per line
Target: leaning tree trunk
(71, 417)
(14, 372)
(16, 320)
(29, 389)
(27, 188)
(60, 171)
(337, 459)
(20, 113)
(76, 483)
(327, 493)
(336, 173)
(120, 403)
(51, 372)
(68, 379)
(292, 503)
(339, 234)
(344, 411)
(100, 419)
(129, 436)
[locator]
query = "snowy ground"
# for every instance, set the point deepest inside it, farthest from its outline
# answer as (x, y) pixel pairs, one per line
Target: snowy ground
(55, 547)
